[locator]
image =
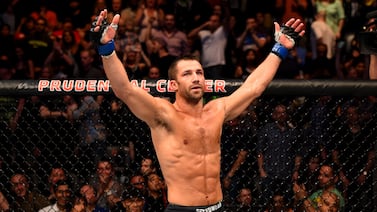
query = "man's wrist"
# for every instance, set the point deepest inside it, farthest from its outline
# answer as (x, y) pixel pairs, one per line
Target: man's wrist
(106, 49)
(280, 51)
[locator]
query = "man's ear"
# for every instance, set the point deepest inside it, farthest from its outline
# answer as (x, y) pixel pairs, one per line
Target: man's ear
(173, 85)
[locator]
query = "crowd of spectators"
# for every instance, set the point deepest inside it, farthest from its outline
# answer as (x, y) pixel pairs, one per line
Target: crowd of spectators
(45, 39)
(111, 166)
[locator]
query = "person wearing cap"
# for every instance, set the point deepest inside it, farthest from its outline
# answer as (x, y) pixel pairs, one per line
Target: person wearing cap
(132, 201)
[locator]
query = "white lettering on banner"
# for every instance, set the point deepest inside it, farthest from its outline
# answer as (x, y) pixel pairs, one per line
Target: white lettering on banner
(210, 208)
(161, 86)
(74, 85)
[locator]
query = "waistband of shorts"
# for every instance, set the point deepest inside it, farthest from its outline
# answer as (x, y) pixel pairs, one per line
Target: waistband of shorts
(207, 208)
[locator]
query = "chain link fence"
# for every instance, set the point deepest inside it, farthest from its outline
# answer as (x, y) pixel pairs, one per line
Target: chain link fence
(75, 130)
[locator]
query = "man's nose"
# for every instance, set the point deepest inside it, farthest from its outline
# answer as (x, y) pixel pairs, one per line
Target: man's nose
(195, 78)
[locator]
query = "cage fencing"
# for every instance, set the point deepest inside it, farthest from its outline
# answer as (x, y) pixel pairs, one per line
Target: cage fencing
(73, 124)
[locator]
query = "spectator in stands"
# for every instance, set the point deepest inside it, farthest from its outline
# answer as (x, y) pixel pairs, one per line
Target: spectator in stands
(132, 201)
(7, 43)
(321, 67)
(79, 203)
(148, 15)
(353, 64)
(25, 199)
(160, 56)
(8, 16)
(24, 28)
(138, 181)
(278, 157)
(252, 37)
(309, 172)
(320, 128)
(90, 195)
(213, 35)
(322, 33)
(245, 201)
(353, 152)
(327, 179)
(63, 194)
(278, 203)
(156, 193)
(55, 115)
(7, 70)
(46, 13)
(69, 34)
(115, 8)
(4, 204)
(135, 62)
(87, 66)
(60, 61)
(57, 173)
(92, 131)
(176, 40)
(99, 5)
(334, 15)
(153, 73)
(238, 165)
(129, 12)
(147, 166)
(108, 189)
(77, 13)
(23, 64)
(246, 66)
(291, 67)
(293, 8)
(127, 36)
(39, 45)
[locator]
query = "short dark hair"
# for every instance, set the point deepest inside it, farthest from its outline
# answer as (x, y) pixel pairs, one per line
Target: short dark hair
(172, 72)
(61, 182)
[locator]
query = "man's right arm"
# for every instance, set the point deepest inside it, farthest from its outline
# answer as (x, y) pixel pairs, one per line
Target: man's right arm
(140, 102)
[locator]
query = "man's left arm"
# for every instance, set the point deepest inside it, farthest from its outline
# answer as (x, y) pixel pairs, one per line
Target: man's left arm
(285, 36)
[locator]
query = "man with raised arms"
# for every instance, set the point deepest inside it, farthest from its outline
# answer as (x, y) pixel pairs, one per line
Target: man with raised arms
(186, 133)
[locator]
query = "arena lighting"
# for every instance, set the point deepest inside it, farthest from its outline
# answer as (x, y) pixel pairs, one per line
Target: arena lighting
(216, 87)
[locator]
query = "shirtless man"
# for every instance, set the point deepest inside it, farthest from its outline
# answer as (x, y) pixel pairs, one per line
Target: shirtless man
(186, 134)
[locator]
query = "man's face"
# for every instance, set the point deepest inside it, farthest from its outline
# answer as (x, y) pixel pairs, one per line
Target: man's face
(134, 204)
(56, 175)
(20, 186)
(214, 22)
(63, 194)
(251, 23)
(154, 182)
(146, 166)
(104, 171)
(138, 182)
(245, 197)
(154, 73)
(169, 22)
(190, 80)
(280, 114)
(116, 5)
(325, 177)
(86, 59)
(88, 192)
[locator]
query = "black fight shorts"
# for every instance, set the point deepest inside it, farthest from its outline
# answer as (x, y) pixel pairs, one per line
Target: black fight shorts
(218, 207)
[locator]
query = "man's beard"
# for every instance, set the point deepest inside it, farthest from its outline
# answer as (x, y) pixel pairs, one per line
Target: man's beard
(194, 98)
